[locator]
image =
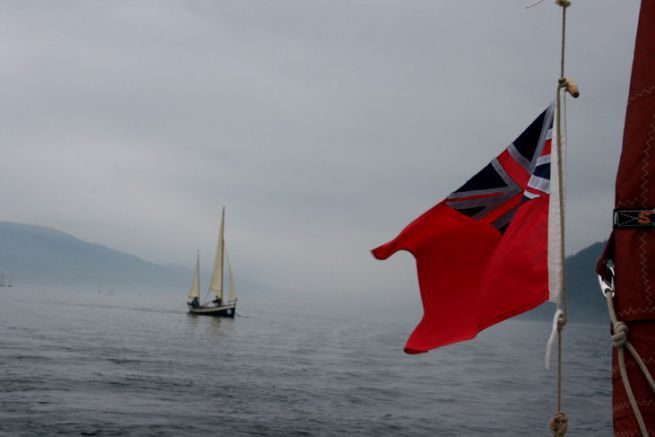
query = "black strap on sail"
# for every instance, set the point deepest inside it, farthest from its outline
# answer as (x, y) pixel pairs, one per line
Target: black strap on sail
(634, 218)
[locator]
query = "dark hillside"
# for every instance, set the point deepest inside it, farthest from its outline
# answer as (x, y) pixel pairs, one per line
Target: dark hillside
(586, 303)
(36, 255)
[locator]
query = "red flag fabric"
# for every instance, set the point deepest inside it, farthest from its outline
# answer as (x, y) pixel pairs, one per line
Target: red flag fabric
(482, 253)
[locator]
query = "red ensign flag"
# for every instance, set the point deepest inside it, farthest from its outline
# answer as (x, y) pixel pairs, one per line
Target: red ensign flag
(482, 254)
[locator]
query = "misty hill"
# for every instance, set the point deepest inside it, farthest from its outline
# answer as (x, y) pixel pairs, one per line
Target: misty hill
(39, 256)
(36, 255)
(586, 303)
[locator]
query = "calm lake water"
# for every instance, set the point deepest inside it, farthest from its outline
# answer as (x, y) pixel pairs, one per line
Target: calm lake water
(94, 364)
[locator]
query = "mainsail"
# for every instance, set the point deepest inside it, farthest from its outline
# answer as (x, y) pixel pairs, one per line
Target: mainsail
(631, 248)
(194, 291)
(216, 283)
(232, 293)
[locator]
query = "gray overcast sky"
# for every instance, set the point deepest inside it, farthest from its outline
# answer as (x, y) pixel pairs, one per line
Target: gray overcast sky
(325, 126)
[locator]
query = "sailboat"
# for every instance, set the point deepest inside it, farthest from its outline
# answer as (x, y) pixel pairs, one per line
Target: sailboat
(2, 279)
(218, 306)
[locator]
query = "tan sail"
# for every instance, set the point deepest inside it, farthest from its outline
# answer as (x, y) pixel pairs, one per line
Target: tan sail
(194, 291)
(232, 293)
(216, 284)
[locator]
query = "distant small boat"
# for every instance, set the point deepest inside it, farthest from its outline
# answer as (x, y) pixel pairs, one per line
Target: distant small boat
(218, 306)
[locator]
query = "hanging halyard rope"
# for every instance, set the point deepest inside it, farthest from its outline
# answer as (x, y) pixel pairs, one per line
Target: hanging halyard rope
(559, 423)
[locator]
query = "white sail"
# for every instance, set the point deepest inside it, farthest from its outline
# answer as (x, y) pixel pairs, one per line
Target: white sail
(232, 293)
(216, 284)
(194, 291)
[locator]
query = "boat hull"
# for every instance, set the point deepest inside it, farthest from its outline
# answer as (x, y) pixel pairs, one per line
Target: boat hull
(216, 311)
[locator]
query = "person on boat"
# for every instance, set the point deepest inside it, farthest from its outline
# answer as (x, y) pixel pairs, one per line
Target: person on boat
(195, 303)
(218, 301)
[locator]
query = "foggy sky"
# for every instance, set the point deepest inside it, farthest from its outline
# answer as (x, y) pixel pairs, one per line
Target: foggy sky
(324, 126)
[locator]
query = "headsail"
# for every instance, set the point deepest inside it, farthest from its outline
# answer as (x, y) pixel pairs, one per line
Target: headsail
(194, 291)
(216, 284)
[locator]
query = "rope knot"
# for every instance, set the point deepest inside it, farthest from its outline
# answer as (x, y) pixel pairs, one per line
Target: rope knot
(559, 424)
(561, 321)
(620, 336)
(570, 86)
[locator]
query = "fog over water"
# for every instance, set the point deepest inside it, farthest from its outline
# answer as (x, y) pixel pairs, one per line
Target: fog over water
(324, 126)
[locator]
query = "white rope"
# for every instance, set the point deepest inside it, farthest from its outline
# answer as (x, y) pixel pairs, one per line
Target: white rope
(551, 338)
(620, 342)
(559, 423)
